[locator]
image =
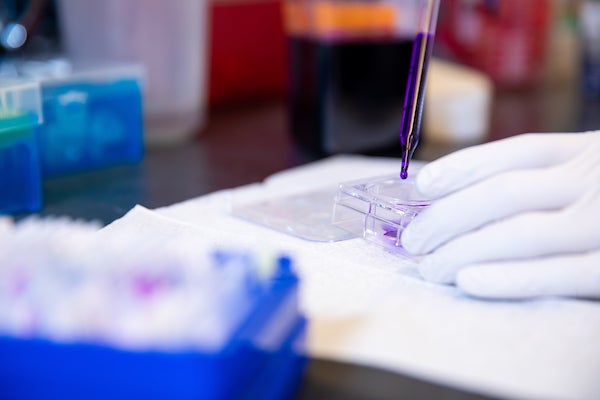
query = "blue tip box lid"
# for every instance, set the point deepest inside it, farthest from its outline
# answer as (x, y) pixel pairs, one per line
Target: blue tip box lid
(93, 113)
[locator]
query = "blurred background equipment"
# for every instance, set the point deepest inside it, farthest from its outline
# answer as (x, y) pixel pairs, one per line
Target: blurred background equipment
(233, 60)
(19, 21)
(506, 39)
(167, 37)
(458, 104)
(590, 34)
(248, 51)
(92, 114)
(28, 27)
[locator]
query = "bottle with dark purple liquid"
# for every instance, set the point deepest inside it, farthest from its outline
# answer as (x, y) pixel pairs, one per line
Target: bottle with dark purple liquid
(347, 94)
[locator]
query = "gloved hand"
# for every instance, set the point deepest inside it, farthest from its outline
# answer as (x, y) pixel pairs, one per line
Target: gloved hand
(514, 218)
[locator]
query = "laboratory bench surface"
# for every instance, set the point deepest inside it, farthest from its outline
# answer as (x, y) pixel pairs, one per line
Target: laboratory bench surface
(246, 143)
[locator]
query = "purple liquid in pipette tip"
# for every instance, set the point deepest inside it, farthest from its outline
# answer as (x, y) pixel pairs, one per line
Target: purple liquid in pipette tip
(413, 102)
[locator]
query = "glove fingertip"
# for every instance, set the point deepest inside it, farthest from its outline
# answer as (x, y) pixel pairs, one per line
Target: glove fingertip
(410, 242)
(435, 180)
(427, 179)
(415, 239)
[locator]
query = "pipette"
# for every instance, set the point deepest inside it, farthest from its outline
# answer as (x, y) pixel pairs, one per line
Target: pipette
(413, 102)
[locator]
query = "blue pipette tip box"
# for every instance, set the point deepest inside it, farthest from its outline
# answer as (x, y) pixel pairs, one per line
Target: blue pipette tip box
(379, 209)
(92, 114)
(93, 120)
(20, 179)
(263, 357)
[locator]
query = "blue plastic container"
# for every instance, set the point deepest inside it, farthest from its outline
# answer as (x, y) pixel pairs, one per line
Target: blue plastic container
(263, 359)
(20, 179)
(92, 119)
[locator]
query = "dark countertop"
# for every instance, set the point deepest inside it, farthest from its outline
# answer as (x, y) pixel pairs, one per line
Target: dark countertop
(247, 143)
(238, 146)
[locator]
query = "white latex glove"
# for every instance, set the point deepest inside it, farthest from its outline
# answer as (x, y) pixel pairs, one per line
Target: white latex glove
(514, 218)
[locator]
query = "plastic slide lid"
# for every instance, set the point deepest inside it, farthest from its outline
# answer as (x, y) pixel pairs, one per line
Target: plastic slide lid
(379, 209)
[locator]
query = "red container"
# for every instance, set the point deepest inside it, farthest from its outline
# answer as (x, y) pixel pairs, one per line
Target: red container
(248, 51)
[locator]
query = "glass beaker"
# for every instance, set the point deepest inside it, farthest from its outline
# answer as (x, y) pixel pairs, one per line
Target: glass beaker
(355, 67)
(167, 37)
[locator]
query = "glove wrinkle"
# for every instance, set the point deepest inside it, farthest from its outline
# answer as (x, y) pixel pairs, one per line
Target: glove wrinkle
(570, 276)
